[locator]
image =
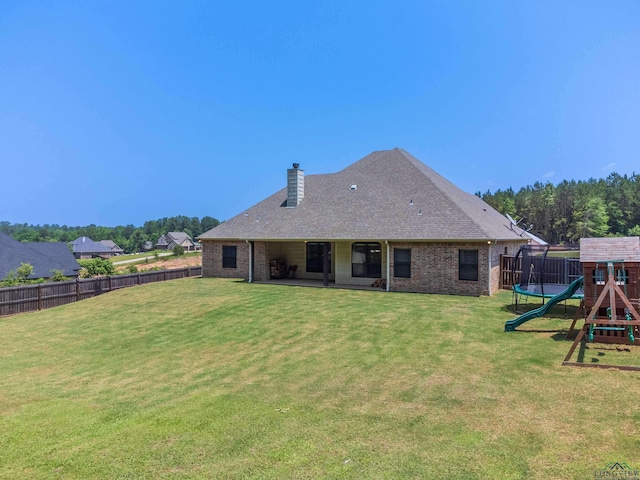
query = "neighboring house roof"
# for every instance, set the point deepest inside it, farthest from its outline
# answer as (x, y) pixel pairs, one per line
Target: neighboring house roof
(86, 245)
(386, 195)
(626, 249)
(180, 238)
(177, 238)
(112, 246)
(42, 256)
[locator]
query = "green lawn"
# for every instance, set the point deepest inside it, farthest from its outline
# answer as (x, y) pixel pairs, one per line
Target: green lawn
(564, 254)
(210, 378)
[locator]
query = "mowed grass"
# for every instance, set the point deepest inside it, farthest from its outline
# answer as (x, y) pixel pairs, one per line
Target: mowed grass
(211, 378)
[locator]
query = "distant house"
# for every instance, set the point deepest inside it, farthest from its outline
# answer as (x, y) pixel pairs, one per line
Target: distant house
(115, 249)
(85, 248)
(44, 257)
(387, 220)
(174, 239)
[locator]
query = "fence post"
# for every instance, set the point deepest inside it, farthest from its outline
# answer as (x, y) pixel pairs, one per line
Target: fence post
(77, 289)
(39, 297)
(109, 283)
(138, 279)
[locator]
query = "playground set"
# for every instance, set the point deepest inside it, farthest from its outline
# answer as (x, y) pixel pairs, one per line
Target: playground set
(608, 290)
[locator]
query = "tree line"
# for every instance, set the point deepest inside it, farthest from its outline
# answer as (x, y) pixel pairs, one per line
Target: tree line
(559, 214)
(570, 210)
(131, 239)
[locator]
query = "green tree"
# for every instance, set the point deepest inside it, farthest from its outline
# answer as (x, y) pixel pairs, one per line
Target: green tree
(24, 270)
(57, 276)
(131, 269)
(96, 267)
(592, 219)
(11, 280)
(634, 232)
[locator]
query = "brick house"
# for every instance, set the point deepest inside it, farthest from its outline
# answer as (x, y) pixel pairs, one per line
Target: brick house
(177, 239)
(387, 219)
(84, 248)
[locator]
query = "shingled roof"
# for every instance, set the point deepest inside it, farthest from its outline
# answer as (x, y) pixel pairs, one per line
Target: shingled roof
(179, 237)
(386, 195)
(86, 245)
(626, 249)
(113, 246)
(42, 256)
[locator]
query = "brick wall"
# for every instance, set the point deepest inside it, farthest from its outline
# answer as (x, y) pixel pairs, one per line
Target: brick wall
(434, 269)
(260, 262)
(434, 266)
(212, 260)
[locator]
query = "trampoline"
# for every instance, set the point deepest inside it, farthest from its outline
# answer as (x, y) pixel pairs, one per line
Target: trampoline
(547, 290)
(543, 277)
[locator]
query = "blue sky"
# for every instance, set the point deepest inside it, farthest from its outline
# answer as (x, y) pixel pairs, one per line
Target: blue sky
(115, 113)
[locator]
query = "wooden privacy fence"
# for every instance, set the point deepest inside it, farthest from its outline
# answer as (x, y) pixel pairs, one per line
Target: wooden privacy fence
(28, 298)
(509, 275)
(556, 270)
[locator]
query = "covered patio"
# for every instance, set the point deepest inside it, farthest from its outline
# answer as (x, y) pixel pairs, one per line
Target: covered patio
(306, 282)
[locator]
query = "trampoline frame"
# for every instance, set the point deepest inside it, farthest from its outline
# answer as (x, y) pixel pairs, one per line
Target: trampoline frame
(533, 276)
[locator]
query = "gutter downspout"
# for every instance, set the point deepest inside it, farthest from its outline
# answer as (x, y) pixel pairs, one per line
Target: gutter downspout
(250, 261)
(386, 242)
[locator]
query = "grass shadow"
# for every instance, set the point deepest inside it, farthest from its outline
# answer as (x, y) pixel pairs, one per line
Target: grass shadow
(557, 311)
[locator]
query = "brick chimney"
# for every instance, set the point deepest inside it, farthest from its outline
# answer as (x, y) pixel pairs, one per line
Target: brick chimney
(295, 185)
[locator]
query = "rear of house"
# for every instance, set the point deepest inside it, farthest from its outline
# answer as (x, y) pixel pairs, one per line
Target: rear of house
(387, 220)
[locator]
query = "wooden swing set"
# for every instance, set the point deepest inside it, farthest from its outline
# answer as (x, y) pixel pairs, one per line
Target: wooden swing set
(612, 318)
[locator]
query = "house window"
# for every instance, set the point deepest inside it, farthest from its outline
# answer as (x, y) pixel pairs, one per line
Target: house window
(315, 257)
(468, 265)
(366, 260)
(229, 258)
(402, 262)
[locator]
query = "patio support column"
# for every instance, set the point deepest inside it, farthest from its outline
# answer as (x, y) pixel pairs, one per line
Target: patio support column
(388, 282)
(250, 245)
(325, 264)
